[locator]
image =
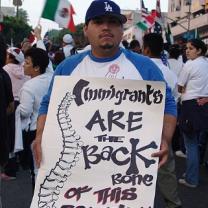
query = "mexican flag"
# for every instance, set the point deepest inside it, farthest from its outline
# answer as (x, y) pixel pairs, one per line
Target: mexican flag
(146, 23)
(60, 11)
(168, 35)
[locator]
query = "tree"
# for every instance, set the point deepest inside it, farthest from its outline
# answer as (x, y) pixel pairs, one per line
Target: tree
(15, 29)
(23, 15)
(56, 36)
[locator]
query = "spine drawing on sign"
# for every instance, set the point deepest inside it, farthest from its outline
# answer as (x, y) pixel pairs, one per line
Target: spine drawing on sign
(54, 182)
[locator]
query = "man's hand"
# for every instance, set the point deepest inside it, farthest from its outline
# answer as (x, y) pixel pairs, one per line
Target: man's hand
(169, 124)
(202, 101)
(162, 154)
(36, 146)
(37, 32)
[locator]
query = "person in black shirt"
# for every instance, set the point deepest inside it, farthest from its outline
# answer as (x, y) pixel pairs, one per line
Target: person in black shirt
(6, 105)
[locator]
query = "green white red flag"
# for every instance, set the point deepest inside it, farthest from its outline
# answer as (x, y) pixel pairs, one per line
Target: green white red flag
(60, 11)
(147, 20)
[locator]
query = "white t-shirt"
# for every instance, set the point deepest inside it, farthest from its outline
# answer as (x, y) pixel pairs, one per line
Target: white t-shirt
(122, 68)
(67, 50)
(175, 66)
(169, 76)
(194, 77)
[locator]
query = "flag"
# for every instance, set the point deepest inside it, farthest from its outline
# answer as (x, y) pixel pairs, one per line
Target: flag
(146, 23)
(157, 28)
(168, 35)
(147, 20)
(144, 10)
(158, 16)
(158, 19)
(60, 11)
(164, 58)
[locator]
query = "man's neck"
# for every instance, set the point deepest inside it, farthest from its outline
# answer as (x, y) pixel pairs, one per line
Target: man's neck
(105, 53)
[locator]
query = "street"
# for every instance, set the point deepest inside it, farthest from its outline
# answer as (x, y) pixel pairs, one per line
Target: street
(18, 193)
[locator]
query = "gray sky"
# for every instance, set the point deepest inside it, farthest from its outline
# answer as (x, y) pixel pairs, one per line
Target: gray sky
(34, 9)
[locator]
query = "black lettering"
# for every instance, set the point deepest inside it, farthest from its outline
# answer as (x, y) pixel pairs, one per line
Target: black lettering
(96, 119)
(149, 92)
(132, 120)
(158, 97)
(148, 180)
(105, 138)
(125, 151)
(133, 180)
(77, 91)
(129, 194)
(86, 155)
(113, 119)
(133, 96)
(119, 95)
(108, 151)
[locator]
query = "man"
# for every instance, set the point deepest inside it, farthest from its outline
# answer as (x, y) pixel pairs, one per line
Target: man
(153, 46)
(67, 44)
(135, 46)
(104, 30)
(6, 106)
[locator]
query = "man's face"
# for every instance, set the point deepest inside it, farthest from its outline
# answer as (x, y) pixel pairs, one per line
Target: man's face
(29, 69)
(104, 34)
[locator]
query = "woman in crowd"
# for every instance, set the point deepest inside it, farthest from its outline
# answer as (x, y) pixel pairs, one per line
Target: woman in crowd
(193, 84)
(15, 70)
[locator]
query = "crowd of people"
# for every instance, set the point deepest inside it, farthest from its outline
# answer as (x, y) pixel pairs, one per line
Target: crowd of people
(27, 71)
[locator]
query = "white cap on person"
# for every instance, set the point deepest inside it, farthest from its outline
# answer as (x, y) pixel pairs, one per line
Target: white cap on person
(17, 53)
(67, 38)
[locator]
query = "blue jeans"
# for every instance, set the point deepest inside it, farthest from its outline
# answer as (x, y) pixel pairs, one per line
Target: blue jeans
(203, 141)
(192, 162)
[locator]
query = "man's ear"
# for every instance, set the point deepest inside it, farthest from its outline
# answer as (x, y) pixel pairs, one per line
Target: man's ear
(85, 29)
(36, 68)
(146, 51)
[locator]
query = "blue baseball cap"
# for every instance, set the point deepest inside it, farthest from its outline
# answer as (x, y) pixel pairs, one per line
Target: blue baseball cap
(104, 8)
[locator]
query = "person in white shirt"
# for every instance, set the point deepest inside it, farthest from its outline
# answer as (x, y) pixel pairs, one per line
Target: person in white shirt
(193, 85)
(175, 64)
(167, 182)
(31, 94)
(104, 30)
(67, 45)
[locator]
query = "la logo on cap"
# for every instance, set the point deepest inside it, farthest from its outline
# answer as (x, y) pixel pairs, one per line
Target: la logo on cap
(108, 8)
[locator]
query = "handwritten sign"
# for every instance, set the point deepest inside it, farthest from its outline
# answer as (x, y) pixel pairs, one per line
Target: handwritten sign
(97, 144)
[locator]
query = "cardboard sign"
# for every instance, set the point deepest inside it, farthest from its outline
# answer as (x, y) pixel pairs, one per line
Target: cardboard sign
(97, 144)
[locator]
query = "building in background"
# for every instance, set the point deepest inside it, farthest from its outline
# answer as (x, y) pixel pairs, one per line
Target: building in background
(8, 11)
(131, 31)
(188, 19)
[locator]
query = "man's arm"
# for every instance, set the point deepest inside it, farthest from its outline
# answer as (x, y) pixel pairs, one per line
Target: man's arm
(10, 108)
(169, 125)
(37, 142)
